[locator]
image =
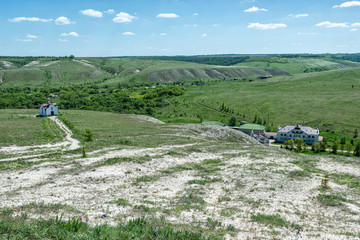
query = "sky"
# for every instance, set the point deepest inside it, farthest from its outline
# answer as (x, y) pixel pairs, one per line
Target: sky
(94, 28)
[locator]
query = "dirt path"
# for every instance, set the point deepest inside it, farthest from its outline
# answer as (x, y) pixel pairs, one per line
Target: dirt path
(74, 144)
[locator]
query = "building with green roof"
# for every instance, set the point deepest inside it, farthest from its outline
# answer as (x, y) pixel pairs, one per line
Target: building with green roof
(252, 128)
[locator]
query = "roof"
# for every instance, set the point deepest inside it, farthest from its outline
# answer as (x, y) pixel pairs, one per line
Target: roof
(250, 126)
(307, 130)
(47, 104)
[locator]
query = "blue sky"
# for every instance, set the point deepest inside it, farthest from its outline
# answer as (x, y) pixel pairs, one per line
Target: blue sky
(177, 27)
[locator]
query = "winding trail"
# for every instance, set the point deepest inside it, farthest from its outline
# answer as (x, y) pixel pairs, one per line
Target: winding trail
(74, 144)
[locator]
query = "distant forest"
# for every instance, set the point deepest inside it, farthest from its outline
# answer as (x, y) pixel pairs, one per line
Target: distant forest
(232, 59)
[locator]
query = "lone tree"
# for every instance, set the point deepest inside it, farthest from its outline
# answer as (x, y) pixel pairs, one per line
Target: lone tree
(335, 147)
(88, 135)
(357, 150)
(299, 144)
(232, 121)
(348, 147)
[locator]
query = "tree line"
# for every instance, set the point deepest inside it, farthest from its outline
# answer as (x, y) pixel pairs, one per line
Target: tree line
(133, 100)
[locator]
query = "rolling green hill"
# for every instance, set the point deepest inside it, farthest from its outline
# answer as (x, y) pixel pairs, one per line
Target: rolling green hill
(298, 65)
(328, 99)
(49, 73)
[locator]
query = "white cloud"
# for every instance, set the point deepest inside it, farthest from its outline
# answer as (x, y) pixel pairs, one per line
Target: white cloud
(24, 40)
(190, 25)
(62, 40)
(31, 36)
(128, 33)
(71, 34)
(348, 4)
(328, 24)
(307, 33)
(204, 35)
(30, 19)
(123, 17)
(110, 11)
(355, 25)
(163, 34)
(63, 21)
(28, 38)
(92, 13)
(299, 15)
(167, 15)
(196, 14)
(256, 9)
(353, 30)
(266, 26)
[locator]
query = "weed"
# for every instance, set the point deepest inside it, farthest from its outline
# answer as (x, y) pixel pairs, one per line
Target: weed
(122, 202)
(273, 220)
(330, 200)
(325, 181)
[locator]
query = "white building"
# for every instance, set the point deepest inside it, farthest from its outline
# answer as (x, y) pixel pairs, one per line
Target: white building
(308, 134)
(49, 109)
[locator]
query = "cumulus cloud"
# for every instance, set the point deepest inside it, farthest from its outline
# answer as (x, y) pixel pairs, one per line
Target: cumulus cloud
(299, 15)
(28, 38)
(255, 9)
(196, 14)
(355, 25)
(123, 17)
(307, 33)
(31, 36)
(30, 19)
(92, 13)
(128, 33)
(24, 40)
(167, 15)
(328, 24)
(348, 4)
(204, 35)
(110, 11)
(62, 40)
(353, 30)
(63, 21)
(266, 26)
(163, 34)
(71, 34)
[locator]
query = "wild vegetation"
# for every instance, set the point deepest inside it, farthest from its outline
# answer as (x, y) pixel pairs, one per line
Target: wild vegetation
(135, 177)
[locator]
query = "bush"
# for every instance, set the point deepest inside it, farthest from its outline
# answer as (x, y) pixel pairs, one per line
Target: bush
(88, 135)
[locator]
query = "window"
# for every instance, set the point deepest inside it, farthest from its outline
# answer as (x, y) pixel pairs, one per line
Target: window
(281, 134)
(285, 134)
(303, 136)
(290, 135)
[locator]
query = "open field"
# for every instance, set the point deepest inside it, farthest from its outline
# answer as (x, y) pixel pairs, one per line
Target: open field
(327, 99)
(299, 65)
(205, 179)
(21, 127)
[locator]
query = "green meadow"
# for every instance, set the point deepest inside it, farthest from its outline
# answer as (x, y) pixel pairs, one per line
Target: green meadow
(328, 100)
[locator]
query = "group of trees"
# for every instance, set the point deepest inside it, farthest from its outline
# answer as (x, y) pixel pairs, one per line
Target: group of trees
(322, 146)
(132, 100)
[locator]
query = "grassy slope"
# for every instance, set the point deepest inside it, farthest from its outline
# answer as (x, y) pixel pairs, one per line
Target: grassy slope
(61, 73)
(299, 65)
(112, 129)
(20, 127)
(143, 70)
(325, 98)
